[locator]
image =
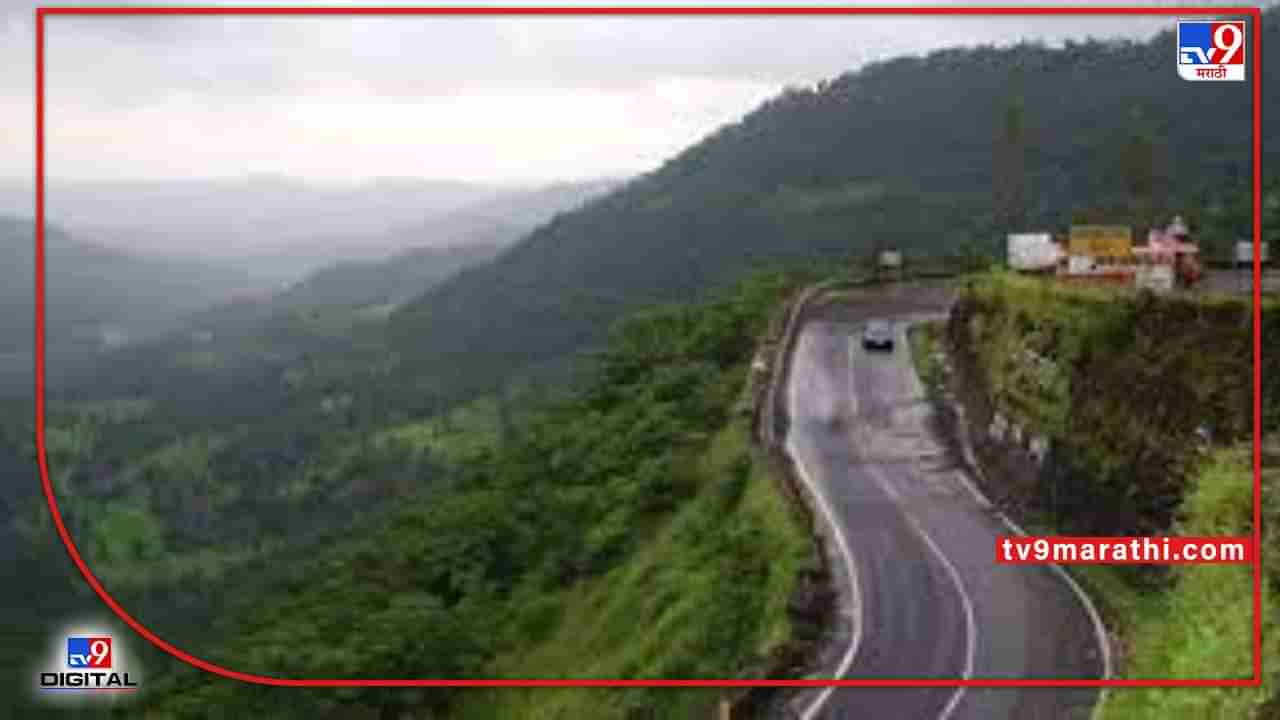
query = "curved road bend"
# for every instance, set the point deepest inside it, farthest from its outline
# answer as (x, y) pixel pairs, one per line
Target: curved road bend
(925, 598)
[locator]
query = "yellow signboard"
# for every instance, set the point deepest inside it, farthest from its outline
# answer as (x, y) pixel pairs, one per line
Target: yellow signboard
(1101, 240)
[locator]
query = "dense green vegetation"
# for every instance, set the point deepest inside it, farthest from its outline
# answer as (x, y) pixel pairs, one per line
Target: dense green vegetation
(627, 532)
(189, 467)
(1147, 402)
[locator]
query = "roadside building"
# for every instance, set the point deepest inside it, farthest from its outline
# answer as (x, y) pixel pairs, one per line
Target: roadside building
(1033, 252)
(1099, 255)
(1105, 255)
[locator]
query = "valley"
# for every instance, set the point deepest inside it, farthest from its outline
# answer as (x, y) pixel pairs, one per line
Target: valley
(410, 428)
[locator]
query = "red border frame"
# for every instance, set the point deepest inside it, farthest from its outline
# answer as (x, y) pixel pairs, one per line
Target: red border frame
(1254, 13)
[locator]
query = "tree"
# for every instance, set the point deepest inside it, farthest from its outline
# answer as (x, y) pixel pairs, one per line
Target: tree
(1143, 170)
(1010, 170)
(506, 424)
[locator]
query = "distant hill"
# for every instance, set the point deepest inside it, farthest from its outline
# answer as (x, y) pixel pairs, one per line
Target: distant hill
(402, 277)
(242, 213)
(96, 297)
(329, 324)
(438, 249)
(901, 153)
(500, 220)
(351, 286)
(339, 308)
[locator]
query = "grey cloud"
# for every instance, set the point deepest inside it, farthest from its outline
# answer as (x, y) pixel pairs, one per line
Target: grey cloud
(216, 75)
(414, 56)
(408, 56)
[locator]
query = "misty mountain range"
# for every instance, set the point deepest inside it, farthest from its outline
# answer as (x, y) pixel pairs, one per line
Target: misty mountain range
(138, 260)
(275, 229)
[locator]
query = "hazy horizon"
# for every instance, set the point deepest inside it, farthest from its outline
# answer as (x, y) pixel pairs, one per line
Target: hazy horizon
(284, 227)
(494, 100)
(320, 182)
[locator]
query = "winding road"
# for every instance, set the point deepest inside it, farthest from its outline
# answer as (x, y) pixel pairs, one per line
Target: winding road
(912, 540)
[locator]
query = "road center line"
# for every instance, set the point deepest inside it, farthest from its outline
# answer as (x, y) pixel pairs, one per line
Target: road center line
(966, 602)
(971, 625)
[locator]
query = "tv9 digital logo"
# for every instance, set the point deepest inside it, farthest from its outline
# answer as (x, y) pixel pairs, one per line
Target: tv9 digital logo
(88, 652)
(87, 662)
(1211, 51)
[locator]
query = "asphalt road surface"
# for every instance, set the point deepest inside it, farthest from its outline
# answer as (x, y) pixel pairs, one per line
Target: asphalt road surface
(1240, 282)
(922, 595)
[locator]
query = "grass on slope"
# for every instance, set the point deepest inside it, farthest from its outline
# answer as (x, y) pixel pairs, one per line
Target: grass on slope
(711, 586)
(1202, 626)
(925, 340)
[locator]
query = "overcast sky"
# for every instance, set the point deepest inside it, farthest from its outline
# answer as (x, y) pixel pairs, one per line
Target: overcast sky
(516, 99)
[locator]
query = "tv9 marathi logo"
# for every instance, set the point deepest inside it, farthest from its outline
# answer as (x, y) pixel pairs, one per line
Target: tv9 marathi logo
(1211, 51)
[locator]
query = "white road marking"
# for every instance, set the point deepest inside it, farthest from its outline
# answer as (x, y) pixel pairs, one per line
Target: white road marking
(851, 568)
(971, 625)
(1100, 630)
(970, 622)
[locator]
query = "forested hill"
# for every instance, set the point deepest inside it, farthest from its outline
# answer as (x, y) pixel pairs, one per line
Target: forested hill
(899, 153)
(92, 294)
(351, 286)
(396, 279)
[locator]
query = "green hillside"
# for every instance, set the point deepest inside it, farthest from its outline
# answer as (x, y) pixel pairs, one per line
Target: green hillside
(535, 468)
(629, 531)
(388, 282)
(344, 292)
(906, 153)
(322, 337)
